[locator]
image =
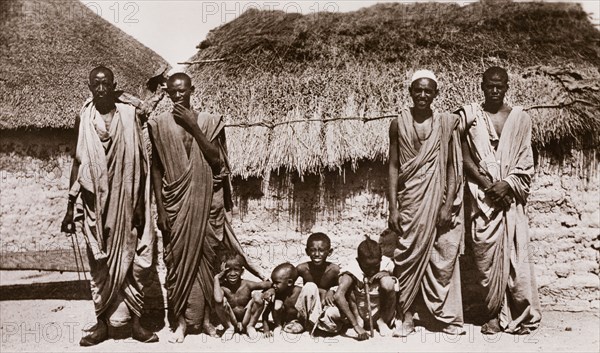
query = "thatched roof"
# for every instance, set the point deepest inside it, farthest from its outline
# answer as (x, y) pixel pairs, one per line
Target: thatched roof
(281, 67)
(47, 49)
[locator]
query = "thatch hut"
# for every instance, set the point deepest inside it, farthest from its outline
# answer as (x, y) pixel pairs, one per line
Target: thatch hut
(48, 48)
(283, 80)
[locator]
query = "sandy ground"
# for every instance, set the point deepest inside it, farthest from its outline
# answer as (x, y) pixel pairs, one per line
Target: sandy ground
(55, 326)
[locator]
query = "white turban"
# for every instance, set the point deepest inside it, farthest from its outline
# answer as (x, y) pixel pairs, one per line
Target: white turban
(419, 74)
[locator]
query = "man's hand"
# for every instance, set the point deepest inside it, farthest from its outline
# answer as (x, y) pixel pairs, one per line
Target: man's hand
(500, 194)
(444, 217)
(505, 202)
(394, 221)
(362, 334)
(185, 117)
(163, 223)
(329, 299)
(485, 183)
(67, 225)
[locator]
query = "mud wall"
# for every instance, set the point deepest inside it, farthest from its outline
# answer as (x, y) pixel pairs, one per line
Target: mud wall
(273, 216)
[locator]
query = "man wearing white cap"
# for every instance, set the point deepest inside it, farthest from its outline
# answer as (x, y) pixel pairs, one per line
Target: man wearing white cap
(425, 180)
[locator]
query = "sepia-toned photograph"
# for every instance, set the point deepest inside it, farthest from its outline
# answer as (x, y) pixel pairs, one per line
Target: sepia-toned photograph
(299, 176)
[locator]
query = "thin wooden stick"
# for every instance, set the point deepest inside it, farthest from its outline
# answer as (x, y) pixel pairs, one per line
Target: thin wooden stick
(271, 125)
(560, 105)
(367, 290)
(202, 61)
(80, 257)
(75, 253)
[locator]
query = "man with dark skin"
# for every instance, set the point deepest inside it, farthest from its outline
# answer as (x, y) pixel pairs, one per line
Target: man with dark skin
(498, 162)
(425, 173)
(190, 180)
(110, 154)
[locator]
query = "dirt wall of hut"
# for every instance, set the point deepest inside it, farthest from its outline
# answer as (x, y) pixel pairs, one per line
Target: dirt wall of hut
(274, 215)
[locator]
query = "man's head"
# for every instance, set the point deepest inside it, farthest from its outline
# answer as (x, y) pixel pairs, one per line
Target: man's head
(102, 84)
(284, 276)
(234, 265)
(369, 257)
(318, 248)
(180, 89)
(423, 89)
(494, 85)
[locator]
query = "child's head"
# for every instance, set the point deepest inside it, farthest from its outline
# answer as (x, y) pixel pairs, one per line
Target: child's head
(234, 264)
(369, 257)
(318, 248)
(284, 276)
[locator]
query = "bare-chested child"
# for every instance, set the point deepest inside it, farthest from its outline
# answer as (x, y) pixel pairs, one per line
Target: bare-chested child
(233, 296)
(351, 296)
(318, 270)
(280, 301)
(318, 275)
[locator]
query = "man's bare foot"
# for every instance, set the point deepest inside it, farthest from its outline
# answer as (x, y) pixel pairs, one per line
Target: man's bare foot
(453, 330)
(139, 333)
(384, 329)
(228, 333)
(179, 334)
(534, 318)
(143, 335)
(99, 334)
(491, 327)
(90, 329)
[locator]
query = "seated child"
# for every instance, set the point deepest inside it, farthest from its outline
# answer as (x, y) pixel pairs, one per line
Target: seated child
(320, 273)
(372, 268)
(318, 270)
(281, 301)
(233, 295)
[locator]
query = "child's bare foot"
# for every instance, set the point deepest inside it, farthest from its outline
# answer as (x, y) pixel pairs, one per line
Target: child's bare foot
(384, 329)
(453, 330)
(251, 332)
(403, 328)
(229, 333)
(209, 329)
(294, 326)
(179, 334)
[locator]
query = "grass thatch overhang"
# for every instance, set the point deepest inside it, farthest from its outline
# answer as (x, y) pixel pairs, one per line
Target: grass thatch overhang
(279, 67)
(47, 49)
